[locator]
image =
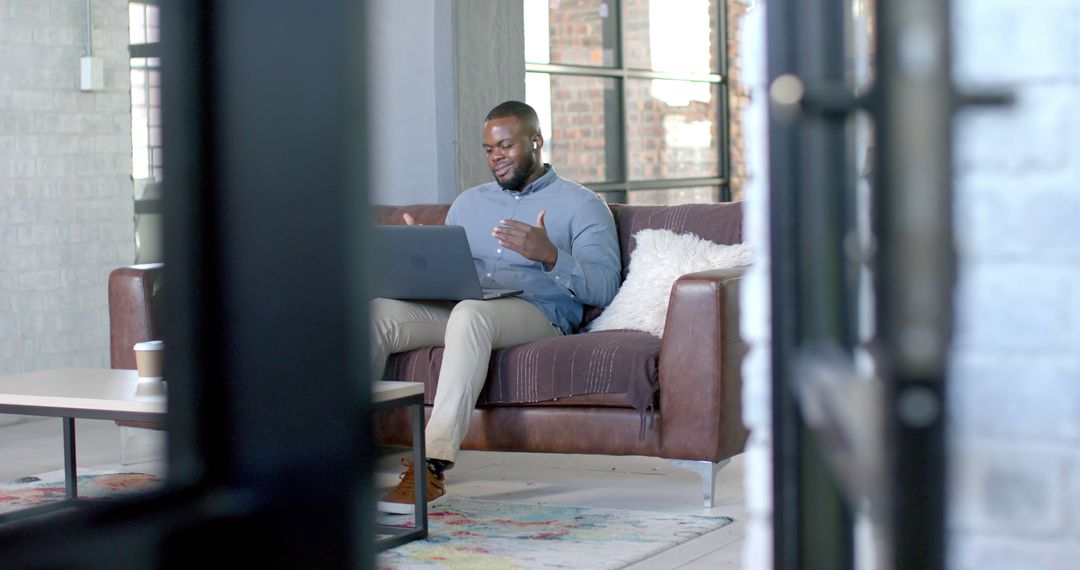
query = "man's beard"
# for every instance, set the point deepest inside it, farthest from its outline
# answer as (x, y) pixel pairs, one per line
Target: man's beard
(518, 175)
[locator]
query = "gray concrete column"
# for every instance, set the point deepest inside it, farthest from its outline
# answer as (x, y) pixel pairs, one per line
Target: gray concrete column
(489, 60)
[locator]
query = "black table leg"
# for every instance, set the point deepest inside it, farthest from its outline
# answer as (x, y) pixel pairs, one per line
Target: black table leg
(70, 482)
(420, 468)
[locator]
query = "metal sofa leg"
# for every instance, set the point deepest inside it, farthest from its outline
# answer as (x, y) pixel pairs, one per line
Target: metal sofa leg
(125, 433)
(708, 472)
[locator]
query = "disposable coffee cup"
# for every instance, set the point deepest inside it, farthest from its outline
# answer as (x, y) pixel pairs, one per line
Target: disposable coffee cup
(150, 359)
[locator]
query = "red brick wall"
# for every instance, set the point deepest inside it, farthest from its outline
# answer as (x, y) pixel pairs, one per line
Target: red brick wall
(738, 99)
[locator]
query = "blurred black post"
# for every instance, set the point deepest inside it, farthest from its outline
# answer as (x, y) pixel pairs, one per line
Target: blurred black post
(265, 222)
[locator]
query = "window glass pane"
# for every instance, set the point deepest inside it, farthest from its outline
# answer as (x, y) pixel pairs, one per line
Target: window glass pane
(137, 23)
(578, 32)
(153, 24)
(140, 153)
(537, 32)
(138, 74)
(144, 25)
(671, 196)
(579, 119)
(660, 37)
(673, 129)
(145, 118)
(138, 94)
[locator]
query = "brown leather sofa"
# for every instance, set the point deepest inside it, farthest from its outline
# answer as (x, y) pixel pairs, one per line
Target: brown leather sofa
(686, 386)
(133, 317)
(694, 413)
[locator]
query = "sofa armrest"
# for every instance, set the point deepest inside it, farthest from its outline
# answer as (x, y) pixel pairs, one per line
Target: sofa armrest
(700, 367)
(132, 311)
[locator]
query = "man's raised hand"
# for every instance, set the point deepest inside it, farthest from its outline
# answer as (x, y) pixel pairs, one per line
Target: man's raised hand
(530, 241)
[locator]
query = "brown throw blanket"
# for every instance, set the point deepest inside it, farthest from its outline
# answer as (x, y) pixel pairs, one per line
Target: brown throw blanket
(609, 362)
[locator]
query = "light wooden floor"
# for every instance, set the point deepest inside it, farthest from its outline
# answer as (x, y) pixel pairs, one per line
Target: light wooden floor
(637, 483)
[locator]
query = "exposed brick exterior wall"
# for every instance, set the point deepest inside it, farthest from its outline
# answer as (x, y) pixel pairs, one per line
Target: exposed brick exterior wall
(65, 182)
(578, 133)
(577, 33)
(738, 100)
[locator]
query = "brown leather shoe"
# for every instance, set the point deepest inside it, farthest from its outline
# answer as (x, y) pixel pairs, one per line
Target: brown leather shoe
(401, 499)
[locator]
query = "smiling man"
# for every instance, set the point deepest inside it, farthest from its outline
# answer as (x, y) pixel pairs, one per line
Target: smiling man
(531, 230)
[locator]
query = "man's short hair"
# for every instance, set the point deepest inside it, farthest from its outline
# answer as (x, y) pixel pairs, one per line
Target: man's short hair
(516, 109)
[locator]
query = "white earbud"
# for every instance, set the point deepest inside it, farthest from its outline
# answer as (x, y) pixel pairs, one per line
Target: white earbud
(534, 145)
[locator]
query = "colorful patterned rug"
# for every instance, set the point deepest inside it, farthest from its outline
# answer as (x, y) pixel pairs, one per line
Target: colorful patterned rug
(49, 487)
(471, 534)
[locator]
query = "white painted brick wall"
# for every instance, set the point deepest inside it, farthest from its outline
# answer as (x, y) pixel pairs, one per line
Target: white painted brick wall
(1014, 377)
(755, 326)
(65, 181)
(1014, 393)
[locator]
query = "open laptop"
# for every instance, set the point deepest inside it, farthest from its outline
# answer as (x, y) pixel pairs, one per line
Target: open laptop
(432, 263)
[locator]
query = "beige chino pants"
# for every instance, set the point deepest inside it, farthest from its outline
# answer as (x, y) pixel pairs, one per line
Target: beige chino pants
(469, 330)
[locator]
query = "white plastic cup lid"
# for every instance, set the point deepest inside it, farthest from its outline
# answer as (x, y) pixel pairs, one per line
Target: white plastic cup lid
(150, 345)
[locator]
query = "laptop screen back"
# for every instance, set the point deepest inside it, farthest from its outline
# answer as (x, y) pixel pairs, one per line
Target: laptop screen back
(424, 263)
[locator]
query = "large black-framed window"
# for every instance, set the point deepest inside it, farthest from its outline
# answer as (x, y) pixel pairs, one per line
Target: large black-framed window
(144, 25)
(633, 96)
(147, 156)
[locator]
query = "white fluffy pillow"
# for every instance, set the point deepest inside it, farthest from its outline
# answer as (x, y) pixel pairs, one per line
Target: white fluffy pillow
(661, 257)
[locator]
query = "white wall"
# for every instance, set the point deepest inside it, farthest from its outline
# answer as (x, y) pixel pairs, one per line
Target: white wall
(405, 140)
(757, 392)
(1014, 384)
(65, 181)
(437, 68)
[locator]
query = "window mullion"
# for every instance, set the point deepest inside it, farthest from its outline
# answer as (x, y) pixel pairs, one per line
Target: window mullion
(623, 113)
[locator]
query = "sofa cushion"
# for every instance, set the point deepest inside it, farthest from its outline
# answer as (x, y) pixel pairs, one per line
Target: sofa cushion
(611, 362)
(661, 257)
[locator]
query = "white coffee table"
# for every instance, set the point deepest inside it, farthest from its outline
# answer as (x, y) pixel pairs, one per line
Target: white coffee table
(89, 393)
(106, 394)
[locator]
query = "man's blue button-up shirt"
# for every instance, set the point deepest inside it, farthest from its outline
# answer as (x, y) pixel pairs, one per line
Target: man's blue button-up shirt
(578, 223)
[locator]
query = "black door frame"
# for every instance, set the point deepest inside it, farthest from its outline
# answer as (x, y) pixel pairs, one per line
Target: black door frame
(265, 193)
(841, 441)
